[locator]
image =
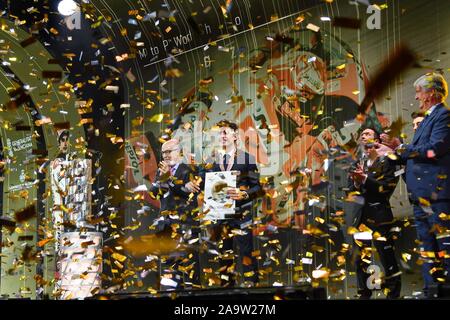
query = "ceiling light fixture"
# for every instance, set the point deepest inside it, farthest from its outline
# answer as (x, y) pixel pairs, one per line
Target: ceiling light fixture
(68, 7)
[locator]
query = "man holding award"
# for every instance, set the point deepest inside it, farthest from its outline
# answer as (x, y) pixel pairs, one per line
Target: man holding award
(230, 184)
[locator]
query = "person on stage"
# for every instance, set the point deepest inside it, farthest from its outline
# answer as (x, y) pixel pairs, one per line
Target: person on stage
(373, 179)
(237, 230)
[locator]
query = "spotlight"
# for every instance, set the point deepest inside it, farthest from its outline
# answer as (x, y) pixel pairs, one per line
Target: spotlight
(67, 7)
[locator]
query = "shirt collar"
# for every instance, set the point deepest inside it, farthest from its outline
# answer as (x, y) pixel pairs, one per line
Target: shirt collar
(429, 111)
(174, 168)
(230, 154)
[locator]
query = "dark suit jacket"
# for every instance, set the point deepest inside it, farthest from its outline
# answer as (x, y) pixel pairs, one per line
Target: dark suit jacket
(248, 178)
(172, 194)
(376, 191)
(429, 177)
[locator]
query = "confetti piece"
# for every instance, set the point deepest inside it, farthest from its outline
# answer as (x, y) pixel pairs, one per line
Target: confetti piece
(22, 128)
(115, 89)
(173, 73)
(62, 125)
(4, 222)
(312, 27)
(146, 245)
(406, 257)
(52, 74)
(25, 214)
(424, 202)
(44, 242)
(402, 59)
(28, 41)
(131, 76)
(392, 156)
(18, 97)
(141, 187)
(396, 127)
(320, 274)
(54, 31)
(157, 117)
(344, 22)
(119, 257)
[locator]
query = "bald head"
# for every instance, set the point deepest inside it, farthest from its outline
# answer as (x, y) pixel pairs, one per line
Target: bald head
(171, 151)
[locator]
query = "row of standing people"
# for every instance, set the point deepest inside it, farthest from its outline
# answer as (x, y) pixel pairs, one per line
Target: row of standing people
(425, 164)
(373, 178)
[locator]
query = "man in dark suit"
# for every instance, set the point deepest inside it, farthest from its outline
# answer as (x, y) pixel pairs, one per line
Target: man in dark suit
(427, 160)
(373, 180)
(176, 215)
(230, 158)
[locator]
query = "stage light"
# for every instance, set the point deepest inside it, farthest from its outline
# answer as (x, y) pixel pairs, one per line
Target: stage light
(67, 7)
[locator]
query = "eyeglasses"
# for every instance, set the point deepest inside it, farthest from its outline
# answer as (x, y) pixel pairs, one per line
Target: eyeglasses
(168, 151)
(369, 146)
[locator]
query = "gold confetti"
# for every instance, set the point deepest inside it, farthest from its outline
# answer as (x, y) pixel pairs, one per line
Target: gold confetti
(119, 257)
(157, 117)
(424, 202)
(313, 27)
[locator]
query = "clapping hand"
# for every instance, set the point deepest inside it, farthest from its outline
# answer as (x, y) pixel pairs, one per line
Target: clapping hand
(193, 186)
(358, 176)
(164, 168)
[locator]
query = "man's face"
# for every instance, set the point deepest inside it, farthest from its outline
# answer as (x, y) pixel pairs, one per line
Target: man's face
(64, 144)
(416, 122)
(370, 149)
(367, 136)
(170, 152)
(227, 137)
(425, 98)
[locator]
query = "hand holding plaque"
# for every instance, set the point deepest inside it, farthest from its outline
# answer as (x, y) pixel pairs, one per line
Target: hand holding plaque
(221, 195)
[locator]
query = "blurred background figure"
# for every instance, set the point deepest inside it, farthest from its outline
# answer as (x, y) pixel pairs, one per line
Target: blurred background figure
(417, 119)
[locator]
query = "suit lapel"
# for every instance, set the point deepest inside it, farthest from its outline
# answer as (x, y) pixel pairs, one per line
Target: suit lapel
(424, 123)
(178, 171)
(418, 133)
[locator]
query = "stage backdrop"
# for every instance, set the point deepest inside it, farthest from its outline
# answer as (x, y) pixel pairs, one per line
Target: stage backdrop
(284, 73)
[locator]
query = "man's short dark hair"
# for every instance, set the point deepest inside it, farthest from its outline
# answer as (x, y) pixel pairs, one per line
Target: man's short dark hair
(227, 124)
(417, 114)
(65, 133)
(375, 133)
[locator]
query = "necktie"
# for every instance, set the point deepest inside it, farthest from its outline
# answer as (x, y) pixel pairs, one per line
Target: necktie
(226, 159)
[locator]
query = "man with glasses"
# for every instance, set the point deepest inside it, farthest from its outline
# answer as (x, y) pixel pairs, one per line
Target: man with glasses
(372, 178)
(176, 217)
